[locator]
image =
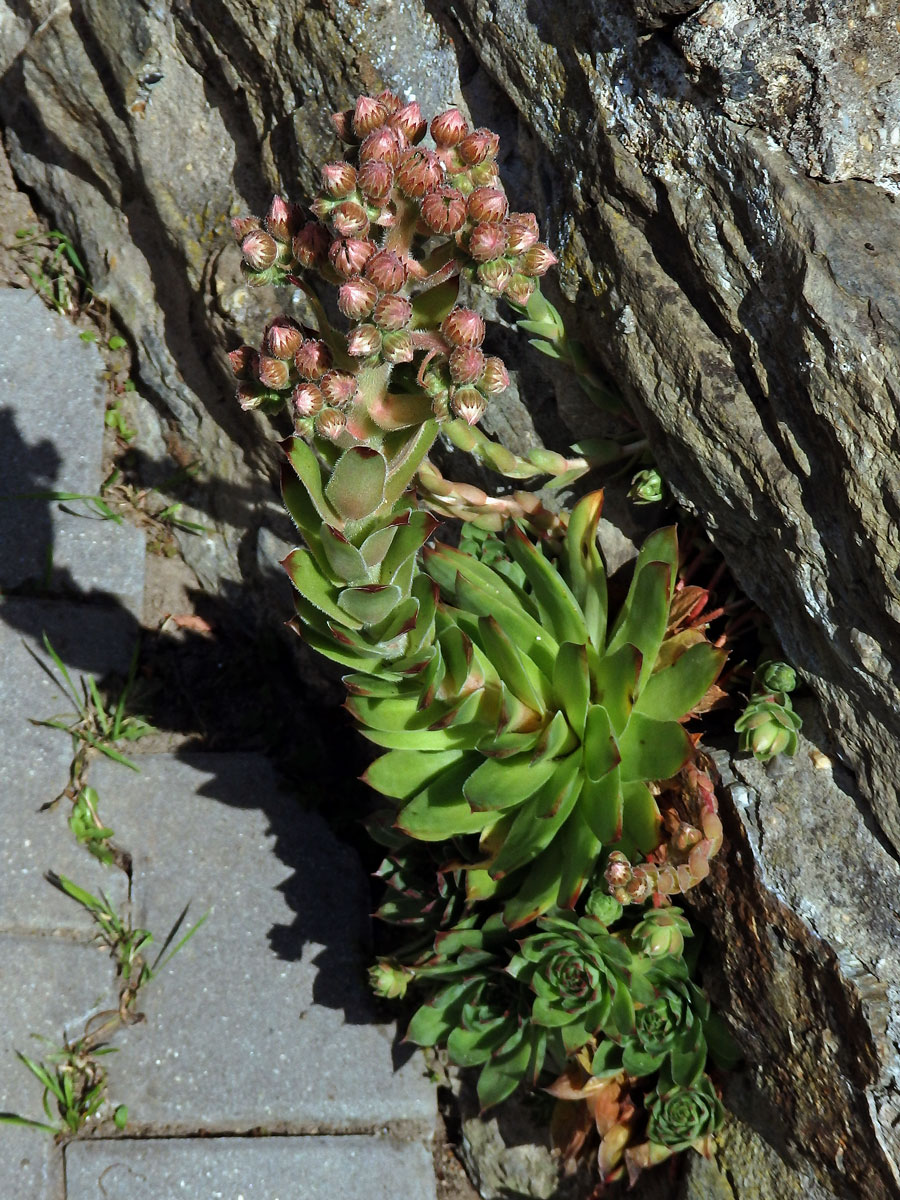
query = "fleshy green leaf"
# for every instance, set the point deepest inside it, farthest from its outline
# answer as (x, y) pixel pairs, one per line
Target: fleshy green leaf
(371, 603)
(674, 691)
(602, 806)
(653, 750)
(309, 581)
(558, 606)
(343, 558)
(647, 612)
(504, 783)
(615, 683)
(307, 468)
(584, 566)
(439, 811)
(538, 820)
(356, 486)
(641, 822)
(572, 684)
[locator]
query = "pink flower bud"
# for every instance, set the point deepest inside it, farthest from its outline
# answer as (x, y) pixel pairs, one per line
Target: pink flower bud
(419, 172)
(487, 204)
(449, 128)
(397, 347)
(356, 297)
(274, 373)
(338, 387)
(392, 312)
(259, 250)
(522, 230)
(313, 359)
(477, 146)
(389, 100)
(468, 404)
(495, 275)
(618, 870)
(487, 241)
(495, 377)
(463, 327)
(330, 424)
(375, 180)
(249, 396)
(244, 362)
(537, 260)
(349, 219)
(519, 289)
(382, 145)
(343, 123)
(444, 210)
(348, 256)
(283, 338)
(311, 244)
(244, 225)
(363, 341)
(466, 364)
(387, 271)
(282, 219)
(369, 114)
(338, 180)
(409, 121)
(307, 400)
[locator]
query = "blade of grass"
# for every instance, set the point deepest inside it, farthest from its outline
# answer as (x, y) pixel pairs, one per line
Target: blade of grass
(159, 965)
(14, 1119)
(102, 718)
(61, 667)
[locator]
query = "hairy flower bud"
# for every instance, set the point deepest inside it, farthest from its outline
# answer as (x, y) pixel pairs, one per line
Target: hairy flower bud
(487, 241)
(419, 171)
(487, 204)
(468, 404)
(368, 114)
(387, 271)
(307, 400)
(348, 256)
(244, 362)
(397, 347)
(310, 246)
(463, 327)
(618, 870)
(389, 100)
(495, 377)
(259, 250)
(274, 373)
(356, 298)
(466, 364)
(477, 146)
(522, 232)
(250, 396)
(244, 225)
(283, 338)
(519, 289)
(495, 275)
(444, 210)
(363, 341)
(382, 145)
(312, 359)
(338, 180)
(338, 388)
(330, 423)
(392, 312)
(410, 122)
(375, 180)
(449, 128)
(282, 219)
(537, 260)
(349, 219)
(343, 123)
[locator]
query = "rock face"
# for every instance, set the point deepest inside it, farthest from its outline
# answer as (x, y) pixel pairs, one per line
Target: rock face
(719, 181)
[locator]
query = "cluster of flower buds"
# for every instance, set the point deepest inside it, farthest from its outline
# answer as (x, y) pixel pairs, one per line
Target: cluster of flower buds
(360, 236)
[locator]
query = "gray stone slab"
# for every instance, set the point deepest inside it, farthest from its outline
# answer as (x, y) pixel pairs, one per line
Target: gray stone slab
(51, 435)
(34, 761)
(48, 987)
(263, 1020)
(282, 1168)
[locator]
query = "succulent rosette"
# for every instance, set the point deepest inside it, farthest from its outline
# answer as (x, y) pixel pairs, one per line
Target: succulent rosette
(769, 726)
(661, 932)
(683, 1115)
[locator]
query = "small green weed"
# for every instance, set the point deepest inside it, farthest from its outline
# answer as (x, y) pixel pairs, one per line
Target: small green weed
(88, 829)
(55, 269)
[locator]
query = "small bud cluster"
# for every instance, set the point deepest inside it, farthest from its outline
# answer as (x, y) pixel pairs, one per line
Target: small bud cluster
(359, 237)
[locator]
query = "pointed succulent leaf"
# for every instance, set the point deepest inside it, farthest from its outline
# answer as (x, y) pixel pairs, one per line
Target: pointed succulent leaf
(401, 774)
(371, 603)
(601, 751)
(300, 507)
(555, 739)
(527, 633)
(309, 472)
(671, 693)
(405, 460)
(516, 670)
(584, 566)
(444, 563)
(615, 684)
(653, 749)
(345, 656)
(647, 612)
(356, 487)
(572, 684)
(539, 819)
(377, 544)
(411, 533)
(343, 558)
(440, 812)
(637, 1061)
(602, 806)
(580, 848)
(504, 783)
(431, 306)
(559, 608)
(395, 712)
(641, 823)
(470, 1048)
(687, 1065)
(309, 581)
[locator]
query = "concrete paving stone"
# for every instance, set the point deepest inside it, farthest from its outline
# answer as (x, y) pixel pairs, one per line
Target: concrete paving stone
(51, 436)
(282, 1168)
(48, 987)
(34, 761)
(264, 1019)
